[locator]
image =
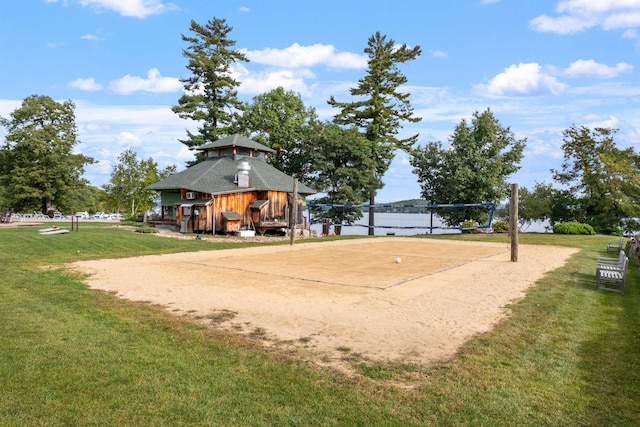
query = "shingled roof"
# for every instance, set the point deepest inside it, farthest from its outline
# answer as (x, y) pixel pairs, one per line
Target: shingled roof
(216, 175)
(235, 141)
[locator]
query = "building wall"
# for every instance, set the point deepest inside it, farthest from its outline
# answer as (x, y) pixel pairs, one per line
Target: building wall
(276, 211)
(168, 200)
(210, 219)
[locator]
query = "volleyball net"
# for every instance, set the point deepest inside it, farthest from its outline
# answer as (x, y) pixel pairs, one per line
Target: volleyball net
(403, 219)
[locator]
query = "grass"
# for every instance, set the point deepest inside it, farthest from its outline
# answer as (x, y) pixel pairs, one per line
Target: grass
(567, 355)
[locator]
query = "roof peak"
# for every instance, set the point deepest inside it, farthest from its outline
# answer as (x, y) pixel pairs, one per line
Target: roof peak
(235, 140)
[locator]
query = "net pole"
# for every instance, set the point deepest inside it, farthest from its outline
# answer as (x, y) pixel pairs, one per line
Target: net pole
(513, 222)
(294, 211)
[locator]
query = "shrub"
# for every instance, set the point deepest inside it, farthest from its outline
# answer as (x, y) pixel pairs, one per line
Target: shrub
(146, 229)
(500, 227)
(572, 228)
(469, 226)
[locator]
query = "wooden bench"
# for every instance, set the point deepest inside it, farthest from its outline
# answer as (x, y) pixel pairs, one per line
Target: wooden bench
(611, 273)
(615, 246)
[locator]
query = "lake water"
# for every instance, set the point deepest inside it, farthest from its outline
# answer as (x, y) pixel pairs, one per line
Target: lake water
(405, 224)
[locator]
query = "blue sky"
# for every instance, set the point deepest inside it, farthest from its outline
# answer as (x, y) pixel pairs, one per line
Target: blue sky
(540, 66)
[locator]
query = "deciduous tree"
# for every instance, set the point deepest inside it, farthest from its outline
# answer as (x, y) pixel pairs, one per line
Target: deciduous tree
(604, 179)
(473, 169)
(380, 108)
(38, 165)
(129, 178)
(280, 120)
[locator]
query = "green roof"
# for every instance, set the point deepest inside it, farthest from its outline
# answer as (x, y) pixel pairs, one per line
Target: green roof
(217, 176)
(236, 141)
(258, 204)
(231, 216)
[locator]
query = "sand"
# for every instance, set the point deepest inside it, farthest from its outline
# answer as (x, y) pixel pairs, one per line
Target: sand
(328, 300)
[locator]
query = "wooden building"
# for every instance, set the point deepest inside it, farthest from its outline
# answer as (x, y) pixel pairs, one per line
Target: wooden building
(233, 189)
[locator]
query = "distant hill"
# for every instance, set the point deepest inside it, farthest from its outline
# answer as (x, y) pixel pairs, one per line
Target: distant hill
(401, 206)
(407, 202)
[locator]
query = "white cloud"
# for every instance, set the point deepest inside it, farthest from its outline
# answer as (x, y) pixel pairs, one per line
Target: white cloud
(244, 9)
(296, 56)
(621, 20)
(606, 90)
(6, 108)
(596, 121)
(439, 53)
(590, 68)
(103, 167)
(489, 1)
(522, 80)
(153, 131)
(254, 84)
(128, 139)
(134, 8)
(88, 85)
(154, 83)
(105, 117)
(184, 154)
(579, 15)
(91, 37)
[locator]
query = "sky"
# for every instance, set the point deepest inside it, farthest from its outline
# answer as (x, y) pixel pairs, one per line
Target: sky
(540, 66)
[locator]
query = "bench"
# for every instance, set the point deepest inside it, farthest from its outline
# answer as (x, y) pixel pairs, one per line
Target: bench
(615, 246)
(611, 273)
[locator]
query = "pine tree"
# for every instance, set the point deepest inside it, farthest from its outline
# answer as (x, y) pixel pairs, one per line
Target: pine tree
(211, 96)
(381, 108)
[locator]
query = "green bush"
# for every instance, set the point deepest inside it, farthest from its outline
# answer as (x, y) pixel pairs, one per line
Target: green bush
(146, 229)
(500, 227)
(469, 226)
(572, 228)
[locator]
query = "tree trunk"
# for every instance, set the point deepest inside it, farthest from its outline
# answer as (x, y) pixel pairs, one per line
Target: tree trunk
(47, 205)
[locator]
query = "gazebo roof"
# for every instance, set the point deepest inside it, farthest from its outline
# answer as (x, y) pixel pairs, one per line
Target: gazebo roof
(218, 175)
(235, 141)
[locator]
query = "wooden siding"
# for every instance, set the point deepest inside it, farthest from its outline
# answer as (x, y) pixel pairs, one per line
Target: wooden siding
(275, 214)
(200, 222)
(275, 211)
(236, 202)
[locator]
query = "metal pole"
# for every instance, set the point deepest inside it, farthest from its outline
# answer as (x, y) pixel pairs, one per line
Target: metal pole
(294, 210)
(513, 222)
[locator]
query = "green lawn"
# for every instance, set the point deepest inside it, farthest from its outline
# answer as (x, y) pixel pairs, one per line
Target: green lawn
(567, 355)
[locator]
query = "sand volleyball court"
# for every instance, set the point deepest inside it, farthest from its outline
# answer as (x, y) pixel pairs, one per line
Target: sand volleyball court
(325, 297)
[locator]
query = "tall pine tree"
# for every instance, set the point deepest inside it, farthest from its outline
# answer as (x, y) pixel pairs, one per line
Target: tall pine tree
(211, 96)
(380, 108)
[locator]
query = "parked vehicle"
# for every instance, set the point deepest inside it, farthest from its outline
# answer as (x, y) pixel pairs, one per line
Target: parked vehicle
(82, 215)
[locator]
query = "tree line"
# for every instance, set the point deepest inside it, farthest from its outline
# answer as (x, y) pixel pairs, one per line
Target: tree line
(345, 158)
